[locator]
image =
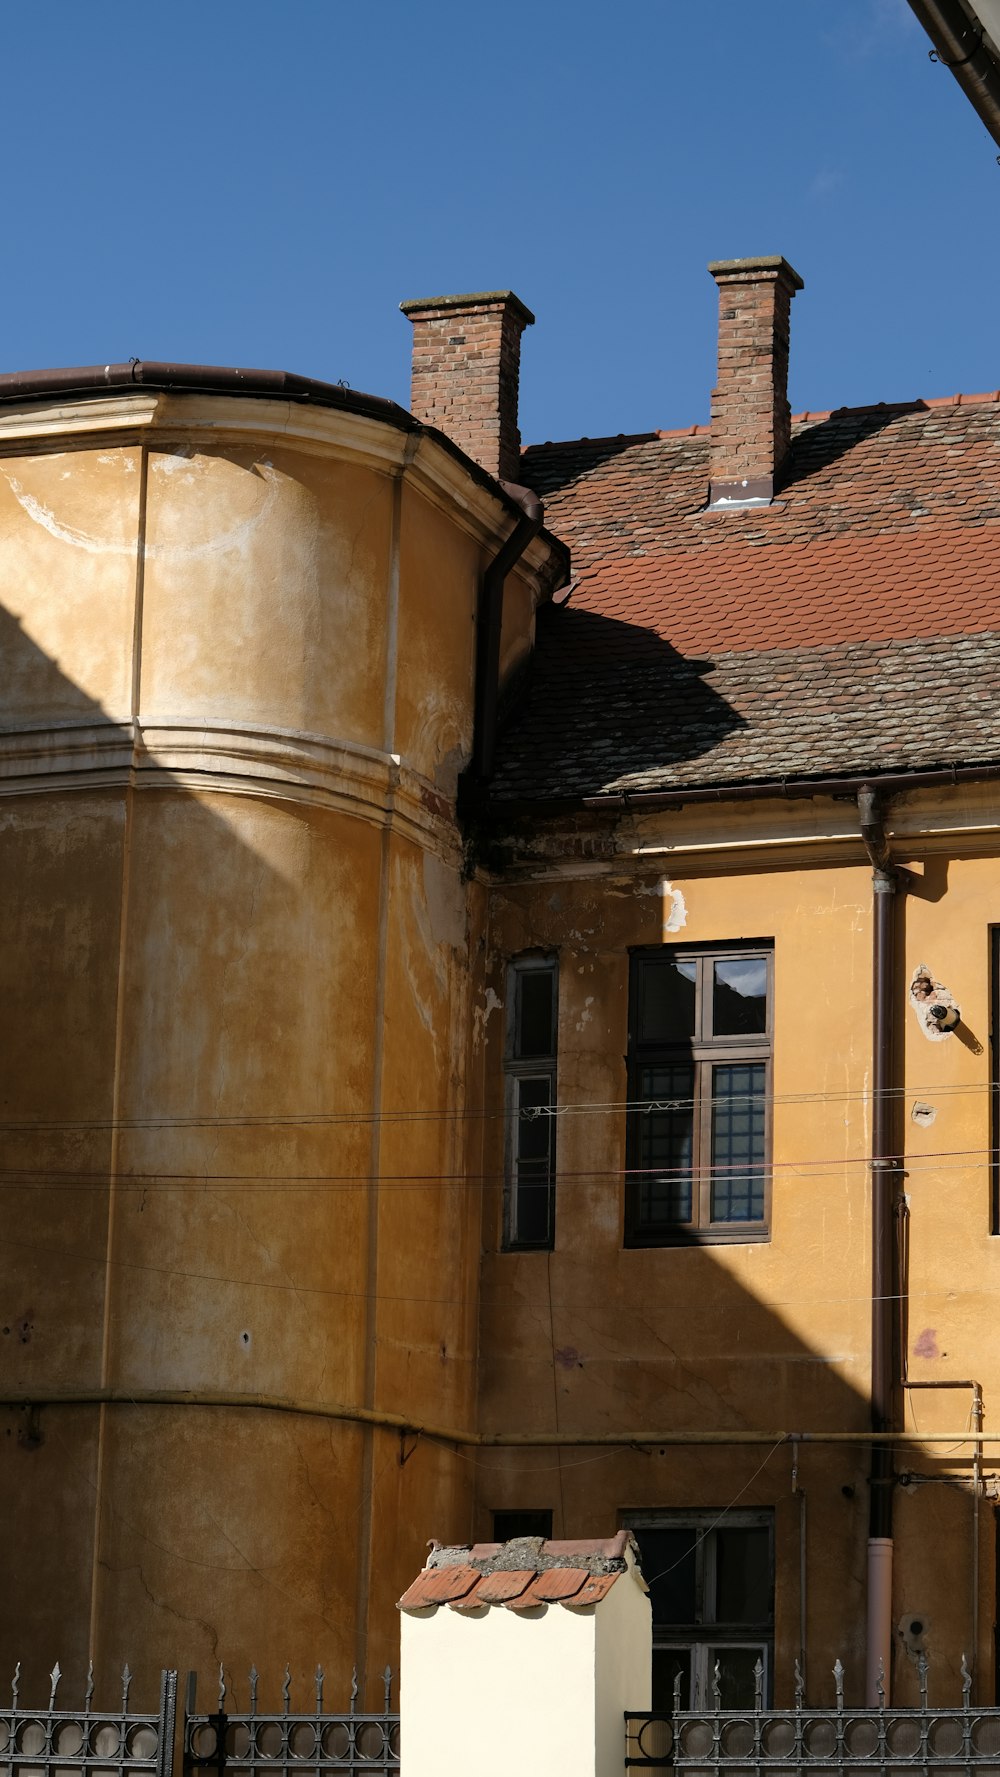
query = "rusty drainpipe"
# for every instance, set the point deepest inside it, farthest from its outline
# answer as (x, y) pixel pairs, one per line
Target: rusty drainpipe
(886, 880)
(489, 621)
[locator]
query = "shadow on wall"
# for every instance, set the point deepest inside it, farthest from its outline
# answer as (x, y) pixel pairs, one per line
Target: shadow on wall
(180, 1005)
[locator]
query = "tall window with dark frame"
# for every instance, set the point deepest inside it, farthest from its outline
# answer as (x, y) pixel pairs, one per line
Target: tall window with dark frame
(699, 1087)
(711, 1587)
(995, 1088)
(530, 1066)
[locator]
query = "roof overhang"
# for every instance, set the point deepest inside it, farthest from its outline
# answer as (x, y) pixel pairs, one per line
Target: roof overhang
(966, 38)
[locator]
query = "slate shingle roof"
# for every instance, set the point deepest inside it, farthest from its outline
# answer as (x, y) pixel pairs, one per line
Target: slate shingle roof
(852, 626)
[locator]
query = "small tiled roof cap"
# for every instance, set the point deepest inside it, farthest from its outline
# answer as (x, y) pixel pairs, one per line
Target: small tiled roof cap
(853, 626)
(523, 1574)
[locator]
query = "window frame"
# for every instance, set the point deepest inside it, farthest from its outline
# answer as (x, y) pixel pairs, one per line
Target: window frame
(698, 1638)
(519, 1070)
(994, 1049)
(702, 1051)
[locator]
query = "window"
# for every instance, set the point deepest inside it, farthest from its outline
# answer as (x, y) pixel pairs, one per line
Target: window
(711, 1586)
(995, 1081)
(508, 1525)
(529, 1208)
(699, 1085)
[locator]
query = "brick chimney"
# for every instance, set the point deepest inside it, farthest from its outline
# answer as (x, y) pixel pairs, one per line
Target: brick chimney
(466, 361)
(751, 422)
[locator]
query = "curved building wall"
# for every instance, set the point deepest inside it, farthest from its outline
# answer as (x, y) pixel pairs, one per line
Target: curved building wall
(238, 679)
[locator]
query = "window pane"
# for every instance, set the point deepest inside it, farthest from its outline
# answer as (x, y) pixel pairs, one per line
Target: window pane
(739, 996)
(736, 1679)
(667, 1000)
(743, 1576)
(738, 1142)
(533, 1151)
(667, 1662)
(664, 1145)
(668, 1562)
(533, 1032)
(507, 1525)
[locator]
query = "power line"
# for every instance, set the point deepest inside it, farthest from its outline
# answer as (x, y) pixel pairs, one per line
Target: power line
(609, 1107)
(76, 1178)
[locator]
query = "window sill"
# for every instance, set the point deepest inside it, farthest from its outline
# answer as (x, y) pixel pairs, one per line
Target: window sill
(736, 1236)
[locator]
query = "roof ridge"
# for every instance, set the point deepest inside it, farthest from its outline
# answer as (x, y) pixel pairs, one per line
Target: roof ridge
(982, 399)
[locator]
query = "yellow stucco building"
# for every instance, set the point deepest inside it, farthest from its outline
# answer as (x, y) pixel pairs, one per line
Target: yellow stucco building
(499, 1008)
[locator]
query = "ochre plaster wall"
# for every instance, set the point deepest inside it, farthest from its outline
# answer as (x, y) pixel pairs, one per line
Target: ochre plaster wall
(597, 1338)
(239, 952)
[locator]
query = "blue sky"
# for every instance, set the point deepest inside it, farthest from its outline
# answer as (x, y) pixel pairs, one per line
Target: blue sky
(238, 183)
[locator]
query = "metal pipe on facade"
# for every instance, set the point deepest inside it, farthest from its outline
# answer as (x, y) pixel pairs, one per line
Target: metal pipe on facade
(489, 623)
(538, 1440)
(884, 1163)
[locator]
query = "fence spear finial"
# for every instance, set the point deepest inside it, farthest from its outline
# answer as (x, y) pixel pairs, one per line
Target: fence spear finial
(286, 1689)
(88, 1695)
(14, 1683)
(880, 1683)
(126, 1686)
(966, 1685)
(838, 1679)
(55, 1675)
(800, 1686)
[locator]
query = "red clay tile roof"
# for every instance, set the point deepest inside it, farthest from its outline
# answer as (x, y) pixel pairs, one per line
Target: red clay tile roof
(813, 636)
(521, 1575)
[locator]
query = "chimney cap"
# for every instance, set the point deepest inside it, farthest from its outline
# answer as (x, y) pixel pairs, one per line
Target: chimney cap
(480, 299)
(724, 270)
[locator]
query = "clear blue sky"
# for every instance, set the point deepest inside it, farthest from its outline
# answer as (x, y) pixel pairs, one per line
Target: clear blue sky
(251, 184)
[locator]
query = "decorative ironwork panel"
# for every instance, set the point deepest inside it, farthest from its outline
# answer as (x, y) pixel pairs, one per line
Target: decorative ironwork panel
(252, 1743)
(760, 1742)
(58, 1742)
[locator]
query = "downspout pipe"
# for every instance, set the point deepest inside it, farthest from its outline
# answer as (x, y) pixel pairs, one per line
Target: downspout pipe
(886, 879)
(489, 622)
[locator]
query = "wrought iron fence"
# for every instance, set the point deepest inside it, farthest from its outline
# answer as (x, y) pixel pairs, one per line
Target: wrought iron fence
(252, 1743)
(930, 1739)
(59, 1742)
(122, 1742)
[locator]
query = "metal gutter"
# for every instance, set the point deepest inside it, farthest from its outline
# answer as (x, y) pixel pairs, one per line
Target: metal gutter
(959, 39)
(90, 381)
(617, 802)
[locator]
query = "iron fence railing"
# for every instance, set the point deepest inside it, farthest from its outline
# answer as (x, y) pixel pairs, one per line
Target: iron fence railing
(61, 1742)
(252, 1742)
(929, 1739)
(121, 1742)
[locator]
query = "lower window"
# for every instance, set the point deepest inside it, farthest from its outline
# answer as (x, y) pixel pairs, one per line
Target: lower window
(711, 1586)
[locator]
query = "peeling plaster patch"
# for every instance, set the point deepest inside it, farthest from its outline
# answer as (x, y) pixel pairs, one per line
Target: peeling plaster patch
(674, 907)
(928, 996)
(926, 1345)
(586, 1015)
(481, 1015)
(236, 538)
(924, 1114)
(445, 902)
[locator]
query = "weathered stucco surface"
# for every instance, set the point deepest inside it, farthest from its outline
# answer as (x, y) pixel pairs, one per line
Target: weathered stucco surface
(596, 1338)
(237, 963)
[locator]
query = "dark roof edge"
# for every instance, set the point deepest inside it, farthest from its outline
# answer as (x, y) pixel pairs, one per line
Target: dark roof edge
(774, 789)
(92, 380)
(961, 44)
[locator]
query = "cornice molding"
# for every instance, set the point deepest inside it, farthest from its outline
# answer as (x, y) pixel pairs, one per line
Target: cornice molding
(240, 759)
(156, 418)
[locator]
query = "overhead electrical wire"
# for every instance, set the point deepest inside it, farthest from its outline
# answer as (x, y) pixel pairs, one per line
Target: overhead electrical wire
(609, 1107)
